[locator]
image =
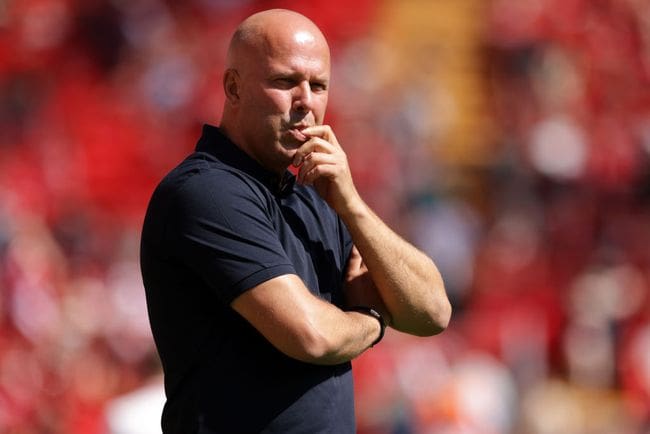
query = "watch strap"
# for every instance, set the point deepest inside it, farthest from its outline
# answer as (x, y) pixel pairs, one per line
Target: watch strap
(373, 313)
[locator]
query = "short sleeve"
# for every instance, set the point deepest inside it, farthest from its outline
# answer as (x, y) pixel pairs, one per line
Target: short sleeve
(223, 230)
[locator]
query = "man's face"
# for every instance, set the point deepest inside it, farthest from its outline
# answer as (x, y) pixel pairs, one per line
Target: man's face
(283, 90)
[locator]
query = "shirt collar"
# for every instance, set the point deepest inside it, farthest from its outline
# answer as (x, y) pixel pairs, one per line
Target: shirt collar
(217, 144)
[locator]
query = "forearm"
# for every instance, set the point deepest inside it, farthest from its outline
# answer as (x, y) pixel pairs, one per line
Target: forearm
(407, 280)
(303, 326)
(342, 337)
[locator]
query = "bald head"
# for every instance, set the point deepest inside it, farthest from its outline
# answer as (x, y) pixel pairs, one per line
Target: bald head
(276, 84)
(268, 32)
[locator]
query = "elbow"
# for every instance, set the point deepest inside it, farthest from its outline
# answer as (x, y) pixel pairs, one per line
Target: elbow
(441, 309)
(434, 318)
(440, 312)
(435, 323)
(441, 317)
(427, 322)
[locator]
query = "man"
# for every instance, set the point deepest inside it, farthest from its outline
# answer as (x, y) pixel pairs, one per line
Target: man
(262, 286)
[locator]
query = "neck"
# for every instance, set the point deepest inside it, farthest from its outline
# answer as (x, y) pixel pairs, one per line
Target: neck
(230, 130)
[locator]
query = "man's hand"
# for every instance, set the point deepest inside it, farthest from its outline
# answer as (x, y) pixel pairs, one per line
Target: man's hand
(324, 164)
(407, 281)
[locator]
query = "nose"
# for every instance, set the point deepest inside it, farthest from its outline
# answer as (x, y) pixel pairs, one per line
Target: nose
(302, 98)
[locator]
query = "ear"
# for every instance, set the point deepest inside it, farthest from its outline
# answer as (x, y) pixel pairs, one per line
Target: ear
(231, 85)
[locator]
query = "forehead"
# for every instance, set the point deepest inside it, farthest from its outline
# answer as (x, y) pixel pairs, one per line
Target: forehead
(297, 50)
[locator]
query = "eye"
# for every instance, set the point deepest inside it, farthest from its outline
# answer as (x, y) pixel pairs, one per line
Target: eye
(318, 86)
(284, 83)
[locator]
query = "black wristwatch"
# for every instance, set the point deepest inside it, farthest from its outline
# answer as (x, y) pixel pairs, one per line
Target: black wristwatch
(373, 313)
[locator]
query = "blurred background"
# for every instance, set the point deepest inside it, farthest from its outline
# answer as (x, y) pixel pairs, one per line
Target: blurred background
(508, 139)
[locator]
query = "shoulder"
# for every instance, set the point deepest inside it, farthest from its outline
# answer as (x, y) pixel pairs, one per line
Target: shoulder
(207, 181)
(204, 189)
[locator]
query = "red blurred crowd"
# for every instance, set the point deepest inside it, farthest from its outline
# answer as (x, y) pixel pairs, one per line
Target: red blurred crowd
(544, 244)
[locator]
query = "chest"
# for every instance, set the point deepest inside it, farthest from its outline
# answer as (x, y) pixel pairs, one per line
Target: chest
(311, 235)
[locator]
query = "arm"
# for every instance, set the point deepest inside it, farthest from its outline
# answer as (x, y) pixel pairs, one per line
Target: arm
(303, 326)
(407, 281)
(245, 264)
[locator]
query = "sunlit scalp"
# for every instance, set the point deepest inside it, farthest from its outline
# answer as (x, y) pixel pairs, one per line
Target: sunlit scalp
(303, 37)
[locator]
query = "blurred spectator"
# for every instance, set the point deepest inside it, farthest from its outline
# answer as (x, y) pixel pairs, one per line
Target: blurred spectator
(535, 207)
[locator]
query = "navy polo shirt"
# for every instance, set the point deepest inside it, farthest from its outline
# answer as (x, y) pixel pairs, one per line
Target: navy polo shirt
(216, 226)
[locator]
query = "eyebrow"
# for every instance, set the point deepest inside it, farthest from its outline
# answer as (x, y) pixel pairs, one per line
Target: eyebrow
(298, 75)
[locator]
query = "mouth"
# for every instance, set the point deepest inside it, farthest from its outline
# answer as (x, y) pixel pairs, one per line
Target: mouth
(296, 132)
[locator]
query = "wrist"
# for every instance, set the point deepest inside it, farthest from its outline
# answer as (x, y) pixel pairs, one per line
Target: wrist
(376, 315)
(353, 209)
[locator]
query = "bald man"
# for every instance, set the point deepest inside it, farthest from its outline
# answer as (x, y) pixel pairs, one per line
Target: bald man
(262, 286)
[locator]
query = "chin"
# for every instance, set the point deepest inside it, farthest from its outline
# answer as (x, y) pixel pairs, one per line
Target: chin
(283, 155)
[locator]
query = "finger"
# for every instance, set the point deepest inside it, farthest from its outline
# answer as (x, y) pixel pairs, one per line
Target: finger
(319, 171)
(355, 263)
(313, 159)
(325, 132)
(315, 144)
